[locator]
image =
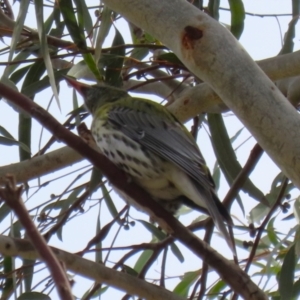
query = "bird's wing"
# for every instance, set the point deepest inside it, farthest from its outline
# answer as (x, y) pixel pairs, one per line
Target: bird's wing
(166, 137)
(161, 133)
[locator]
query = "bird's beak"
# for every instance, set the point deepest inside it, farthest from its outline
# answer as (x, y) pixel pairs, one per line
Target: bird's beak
(80, 87)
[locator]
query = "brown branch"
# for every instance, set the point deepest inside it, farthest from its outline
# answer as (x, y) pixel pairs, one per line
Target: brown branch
(101, 235)
(11, 194)
(89, 269)
(203, 281)
(244, 174)
(238, 280)
(265, 222)
(66, 215)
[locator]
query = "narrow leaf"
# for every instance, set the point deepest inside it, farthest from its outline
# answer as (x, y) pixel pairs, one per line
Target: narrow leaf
(77, 35)
(183, 287)
(286, 278)
(39, 10)
(103, 31)
(237, 17)
(115, 65)
(18, 29)
(226, 156)
(142, 260)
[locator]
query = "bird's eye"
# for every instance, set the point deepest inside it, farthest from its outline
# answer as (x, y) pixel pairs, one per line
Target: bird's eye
(141, 133)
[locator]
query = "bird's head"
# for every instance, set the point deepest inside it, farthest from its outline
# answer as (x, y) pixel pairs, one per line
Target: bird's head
(96, 95)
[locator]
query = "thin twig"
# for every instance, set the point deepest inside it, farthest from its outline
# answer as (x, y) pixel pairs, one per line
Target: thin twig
(11, 194)
(208, 234)
(265, 222)
(240, 180)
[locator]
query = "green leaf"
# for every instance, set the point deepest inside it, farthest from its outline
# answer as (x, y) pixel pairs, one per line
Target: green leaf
(54, 206)
(128, 270)
(260, 211)
(297, 241)
(4, 211)
(175, 250)
(227, 157)
(84, 17)
(137, 53)
(8, 268)
(25, 123)
(89, 60)
(96, 180)
(5, 133)
(12, 142)
(103, 31)
(213, 8)
(98, 244)
(183, 287)
(11, 68)
(44, 83)
(286, 277)
(142, 260)
(49, 22)
(19, 74)
(160, 235)
(154, 230)
(97, 293)
(216, 289)
(76, 33)
(15, 230)
(271, 232)
(237, 17)
(115, 65)
(297, 210)
(75, 108)
(18, 27)
(28, 271)
(33, 296)
(109, 202)
(233, 138)
(171, 58)
(34, 74)
(39, 11)
(296, 289)
(66, 204)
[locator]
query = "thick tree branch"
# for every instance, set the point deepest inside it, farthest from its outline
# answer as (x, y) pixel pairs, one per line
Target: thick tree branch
(214, 55)
(41, 165)
(89, 269)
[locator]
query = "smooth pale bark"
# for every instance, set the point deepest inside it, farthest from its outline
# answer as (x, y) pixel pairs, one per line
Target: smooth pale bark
(41, 165)
(95, 271)
(214, 55)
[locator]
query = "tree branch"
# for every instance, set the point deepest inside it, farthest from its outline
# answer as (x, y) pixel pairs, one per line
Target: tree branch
(41, 165)
(11, 194)
(95, 271)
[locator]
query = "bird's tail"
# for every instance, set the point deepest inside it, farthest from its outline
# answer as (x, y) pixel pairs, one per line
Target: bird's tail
(227, 231)
(221, 218)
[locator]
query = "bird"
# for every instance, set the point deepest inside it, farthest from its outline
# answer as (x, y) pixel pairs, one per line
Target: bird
(144, 139)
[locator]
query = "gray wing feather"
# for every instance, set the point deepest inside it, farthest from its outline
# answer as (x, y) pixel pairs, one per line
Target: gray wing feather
(165, 139)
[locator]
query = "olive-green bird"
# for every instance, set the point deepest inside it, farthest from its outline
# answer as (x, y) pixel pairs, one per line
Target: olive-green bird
(145, 140)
